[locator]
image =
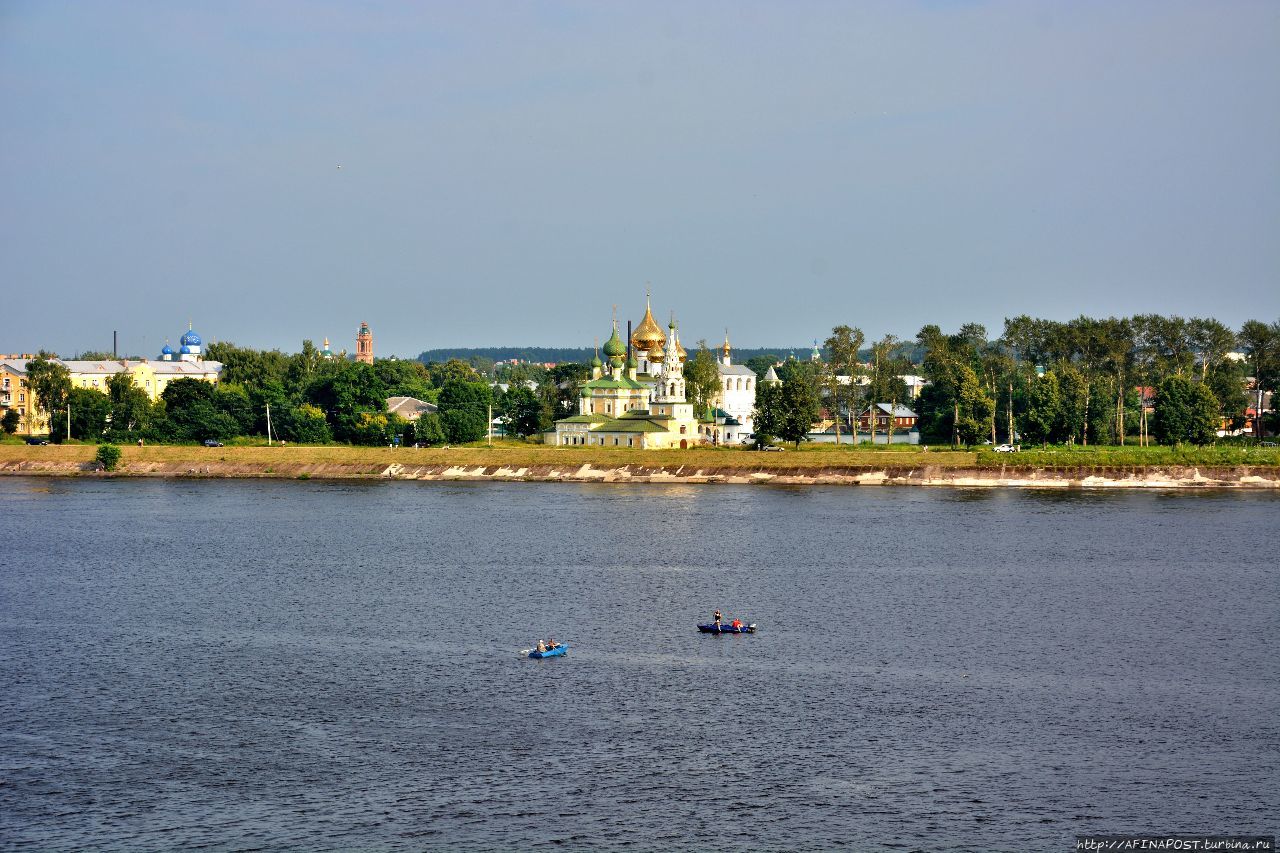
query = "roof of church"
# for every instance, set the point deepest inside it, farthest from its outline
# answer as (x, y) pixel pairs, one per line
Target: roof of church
(605, 382)
(630, 425)
(583, 419)
(734, 369)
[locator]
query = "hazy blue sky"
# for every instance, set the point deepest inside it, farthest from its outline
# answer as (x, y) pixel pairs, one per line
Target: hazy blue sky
(509, 171)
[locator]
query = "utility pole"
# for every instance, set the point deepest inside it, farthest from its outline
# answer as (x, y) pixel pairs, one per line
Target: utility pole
(269, 425)
(490, 427)
(68, 421)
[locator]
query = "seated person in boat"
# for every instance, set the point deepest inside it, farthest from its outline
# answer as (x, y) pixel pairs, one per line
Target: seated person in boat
(736, 623)
(542, 646)
(552, 644)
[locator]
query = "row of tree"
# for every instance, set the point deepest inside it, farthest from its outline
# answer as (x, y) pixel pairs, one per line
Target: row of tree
(1085, 381)
(1093, 380)
(1144, 378)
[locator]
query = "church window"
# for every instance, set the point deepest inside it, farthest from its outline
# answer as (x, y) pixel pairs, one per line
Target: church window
(682, 429)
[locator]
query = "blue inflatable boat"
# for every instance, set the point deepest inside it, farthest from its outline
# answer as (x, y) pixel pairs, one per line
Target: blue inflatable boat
(725, 628)
(550, 653)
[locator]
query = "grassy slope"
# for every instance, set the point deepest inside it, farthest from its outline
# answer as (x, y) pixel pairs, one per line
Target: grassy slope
(518, 455)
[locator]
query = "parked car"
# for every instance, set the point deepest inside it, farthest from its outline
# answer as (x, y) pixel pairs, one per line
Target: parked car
(773, 448)
(37, 441)
(1007, 448)
(212, 442)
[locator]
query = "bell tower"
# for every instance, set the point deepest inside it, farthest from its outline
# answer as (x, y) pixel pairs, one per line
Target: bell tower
(364, 344)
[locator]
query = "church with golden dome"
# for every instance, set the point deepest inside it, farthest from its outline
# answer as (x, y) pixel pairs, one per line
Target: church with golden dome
(636, 396)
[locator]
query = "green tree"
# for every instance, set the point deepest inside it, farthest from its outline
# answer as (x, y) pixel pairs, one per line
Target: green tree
(463, 425)
(1261, 345)
(464, 410)
(351, 391)
(1073, 385)
(842, 396)
(453, 370)
(558, 390)
(429, 431)
(885, 384)
(50, 384)
(272, 394)
(786, 411)
(767, 416)
(304, 424)
(702, 377)
(9, 422)
(403, 378)
(108, 456)
(522, 410)
(248, 367)
(233, 401)
(132, 412)
(1210, 342)
(192, 412)
(372, 429)
(976, 407)
(954, 402)
(90, 410)
(1185, 412)
(1227, 381)
(761, 363)
(1044, 409)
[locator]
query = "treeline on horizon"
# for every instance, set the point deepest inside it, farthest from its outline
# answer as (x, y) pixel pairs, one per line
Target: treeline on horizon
(1083, 381)
(483, 358)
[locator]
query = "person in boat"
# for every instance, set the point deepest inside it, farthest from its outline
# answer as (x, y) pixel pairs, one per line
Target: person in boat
(542, 646)
(717, 616)
(552, 644)
(736, 623)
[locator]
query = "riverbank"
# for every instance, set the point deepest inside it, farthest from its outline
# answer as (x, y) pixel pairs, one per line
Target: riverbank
(546, 464)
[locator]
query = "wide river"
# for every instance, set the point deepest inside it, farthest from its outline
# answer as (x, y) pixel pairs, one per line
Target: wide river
(333, 666)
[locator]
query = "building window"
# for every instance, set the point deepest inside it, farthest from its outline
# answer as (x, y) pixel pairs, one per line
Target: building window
(682, 429)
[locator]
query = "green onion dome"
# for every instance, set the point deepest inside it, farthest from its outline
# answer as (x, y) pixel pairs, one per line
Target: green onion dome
(614, 347)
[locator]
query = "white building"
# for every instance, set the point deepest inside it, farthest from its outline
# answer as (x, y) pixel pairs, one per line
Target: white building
(737, 399)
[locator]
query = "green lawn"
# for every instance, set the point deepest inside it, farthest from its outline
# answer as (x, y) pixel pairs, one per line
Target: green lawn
(510, 453)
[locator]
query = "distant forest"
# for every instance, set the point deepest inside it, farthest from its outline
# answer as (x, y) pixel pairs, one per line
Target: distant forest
(582, 355)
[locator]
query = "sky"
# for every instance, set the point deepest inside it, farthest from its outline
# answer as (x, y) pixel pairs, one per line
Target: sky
(504, 173)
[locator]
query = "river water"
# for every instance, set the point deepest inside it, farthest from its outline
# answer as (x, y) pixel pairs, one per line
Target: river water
(318, 665)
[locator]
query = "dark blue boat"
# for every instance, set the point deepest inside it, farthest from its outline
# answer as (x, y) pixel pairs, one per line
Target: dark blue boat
(550, 653)
(723, 628)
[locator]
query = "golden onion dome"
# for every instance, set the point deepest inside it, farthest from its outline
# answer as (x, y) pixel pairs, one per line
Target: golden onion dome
(647, 335)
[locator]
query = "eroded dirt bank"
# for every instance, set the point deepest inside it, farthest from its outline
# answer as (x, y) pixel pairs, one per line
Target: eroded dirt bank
(1159, 477)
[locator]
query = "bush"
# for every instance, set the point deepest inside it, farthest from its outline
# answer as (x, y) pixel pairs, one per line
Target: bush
(108, 457)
